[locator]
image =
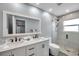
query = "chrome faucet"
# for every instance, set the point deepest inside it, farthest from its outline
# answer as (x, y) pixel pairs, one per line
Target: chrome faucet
(16, 39)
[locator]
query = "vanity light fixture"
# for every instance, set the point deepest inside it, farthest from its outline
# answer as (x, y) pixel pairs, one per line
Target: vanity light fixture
(34, 10)
(37, 3)
(17, 5)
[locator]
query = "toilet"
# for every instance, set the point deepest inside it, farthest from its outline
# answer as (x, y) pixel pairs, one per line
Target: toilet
(54, 48)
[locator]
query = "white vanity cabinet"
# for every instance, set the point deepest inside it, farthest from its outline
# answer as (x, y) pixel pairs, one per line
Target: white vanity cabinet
(36, 49)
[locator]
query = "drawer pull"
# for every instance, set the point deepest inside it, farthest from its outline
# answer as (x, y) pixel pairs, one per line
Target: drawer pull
(32, 54)
(31, 48)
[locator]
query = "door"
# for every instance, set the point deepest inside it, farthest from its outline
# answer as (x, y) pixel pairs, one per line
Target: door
(43, 48)
(5, 53)
(18, 51)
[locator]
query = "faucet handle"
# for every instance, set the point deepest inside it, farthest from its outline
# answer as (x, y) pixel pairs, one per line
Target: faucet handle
(15, 39)
(21, 39)
(11, 40)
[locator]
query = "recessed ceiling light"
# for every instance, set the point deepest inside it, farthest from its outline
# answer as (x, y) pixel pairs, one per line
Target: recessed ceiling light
(34, 10)
(45, 14)
(37, 3)
(67, 10)
(50, 9)
(17, 5)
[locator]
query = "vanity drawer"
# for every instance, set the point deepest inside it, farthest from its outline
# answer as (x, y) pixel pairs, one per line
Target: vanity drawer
(31, 50)
(32, 54)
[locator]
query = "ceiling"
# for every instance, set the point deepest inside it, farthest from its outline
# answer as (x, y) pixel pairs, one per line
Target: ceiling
(56, 9)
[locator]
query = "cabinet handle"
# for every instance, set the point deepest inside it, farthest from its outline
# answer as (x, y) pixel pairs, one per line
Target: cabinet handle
(12, 54)
(31, 54)
(66, 36)
(43, 45)
(31, 48)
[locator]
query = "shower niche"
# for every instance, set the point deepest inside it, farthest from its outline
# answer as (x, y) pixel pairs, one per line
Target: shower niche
(19, 24)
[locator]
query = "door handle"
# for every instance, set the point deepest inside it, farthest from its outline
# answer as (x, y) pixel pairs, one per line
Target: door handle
(67, 36)
(43, 45)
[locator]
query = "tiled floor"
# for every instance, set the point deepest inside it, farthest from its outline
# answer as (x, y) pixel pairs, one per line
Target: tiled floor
(61, 54)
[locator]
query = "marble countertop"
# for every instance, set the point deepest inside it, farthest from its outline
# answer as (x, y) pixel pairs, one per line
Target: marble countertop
(10, 46)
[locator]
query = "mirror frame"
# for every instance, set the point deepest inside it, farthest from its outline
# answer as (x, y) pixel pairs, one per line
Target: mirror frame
(5, 27)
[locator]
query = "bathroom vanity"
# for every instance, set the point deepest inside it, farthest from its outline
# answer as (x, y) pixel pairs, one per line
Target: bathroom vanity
(34, 47)
(17, 26)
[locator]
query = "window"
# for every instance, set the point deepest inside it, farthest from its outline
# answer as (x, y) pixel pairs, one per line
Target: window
(71, 25)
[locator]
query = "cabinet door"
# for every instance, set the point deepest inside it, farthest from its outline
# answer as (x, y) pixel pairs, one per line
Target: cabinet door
(43, 49)
(18, 51)
(5, 53)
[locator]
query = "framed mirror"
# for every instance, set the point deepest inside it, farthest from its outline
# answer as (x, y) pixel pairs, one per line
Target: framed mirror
(20, 24)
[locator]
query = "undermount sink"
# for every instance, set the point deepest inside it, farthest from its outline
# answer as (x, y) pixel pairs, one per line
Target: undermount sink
(28, 39)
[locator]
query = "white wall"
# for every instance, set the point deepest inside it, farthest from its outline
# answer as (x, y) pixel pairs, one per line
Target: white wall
(73, 41)
(46, 18)
(54, 30)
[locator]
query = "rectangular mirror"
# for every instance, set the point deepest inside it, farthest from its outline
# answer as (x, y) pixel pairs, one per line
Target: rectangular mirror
(20, 24)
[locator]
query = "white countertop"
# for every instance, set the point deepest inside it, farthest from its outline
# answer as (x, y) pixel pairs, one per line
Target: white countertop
(9, 46)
